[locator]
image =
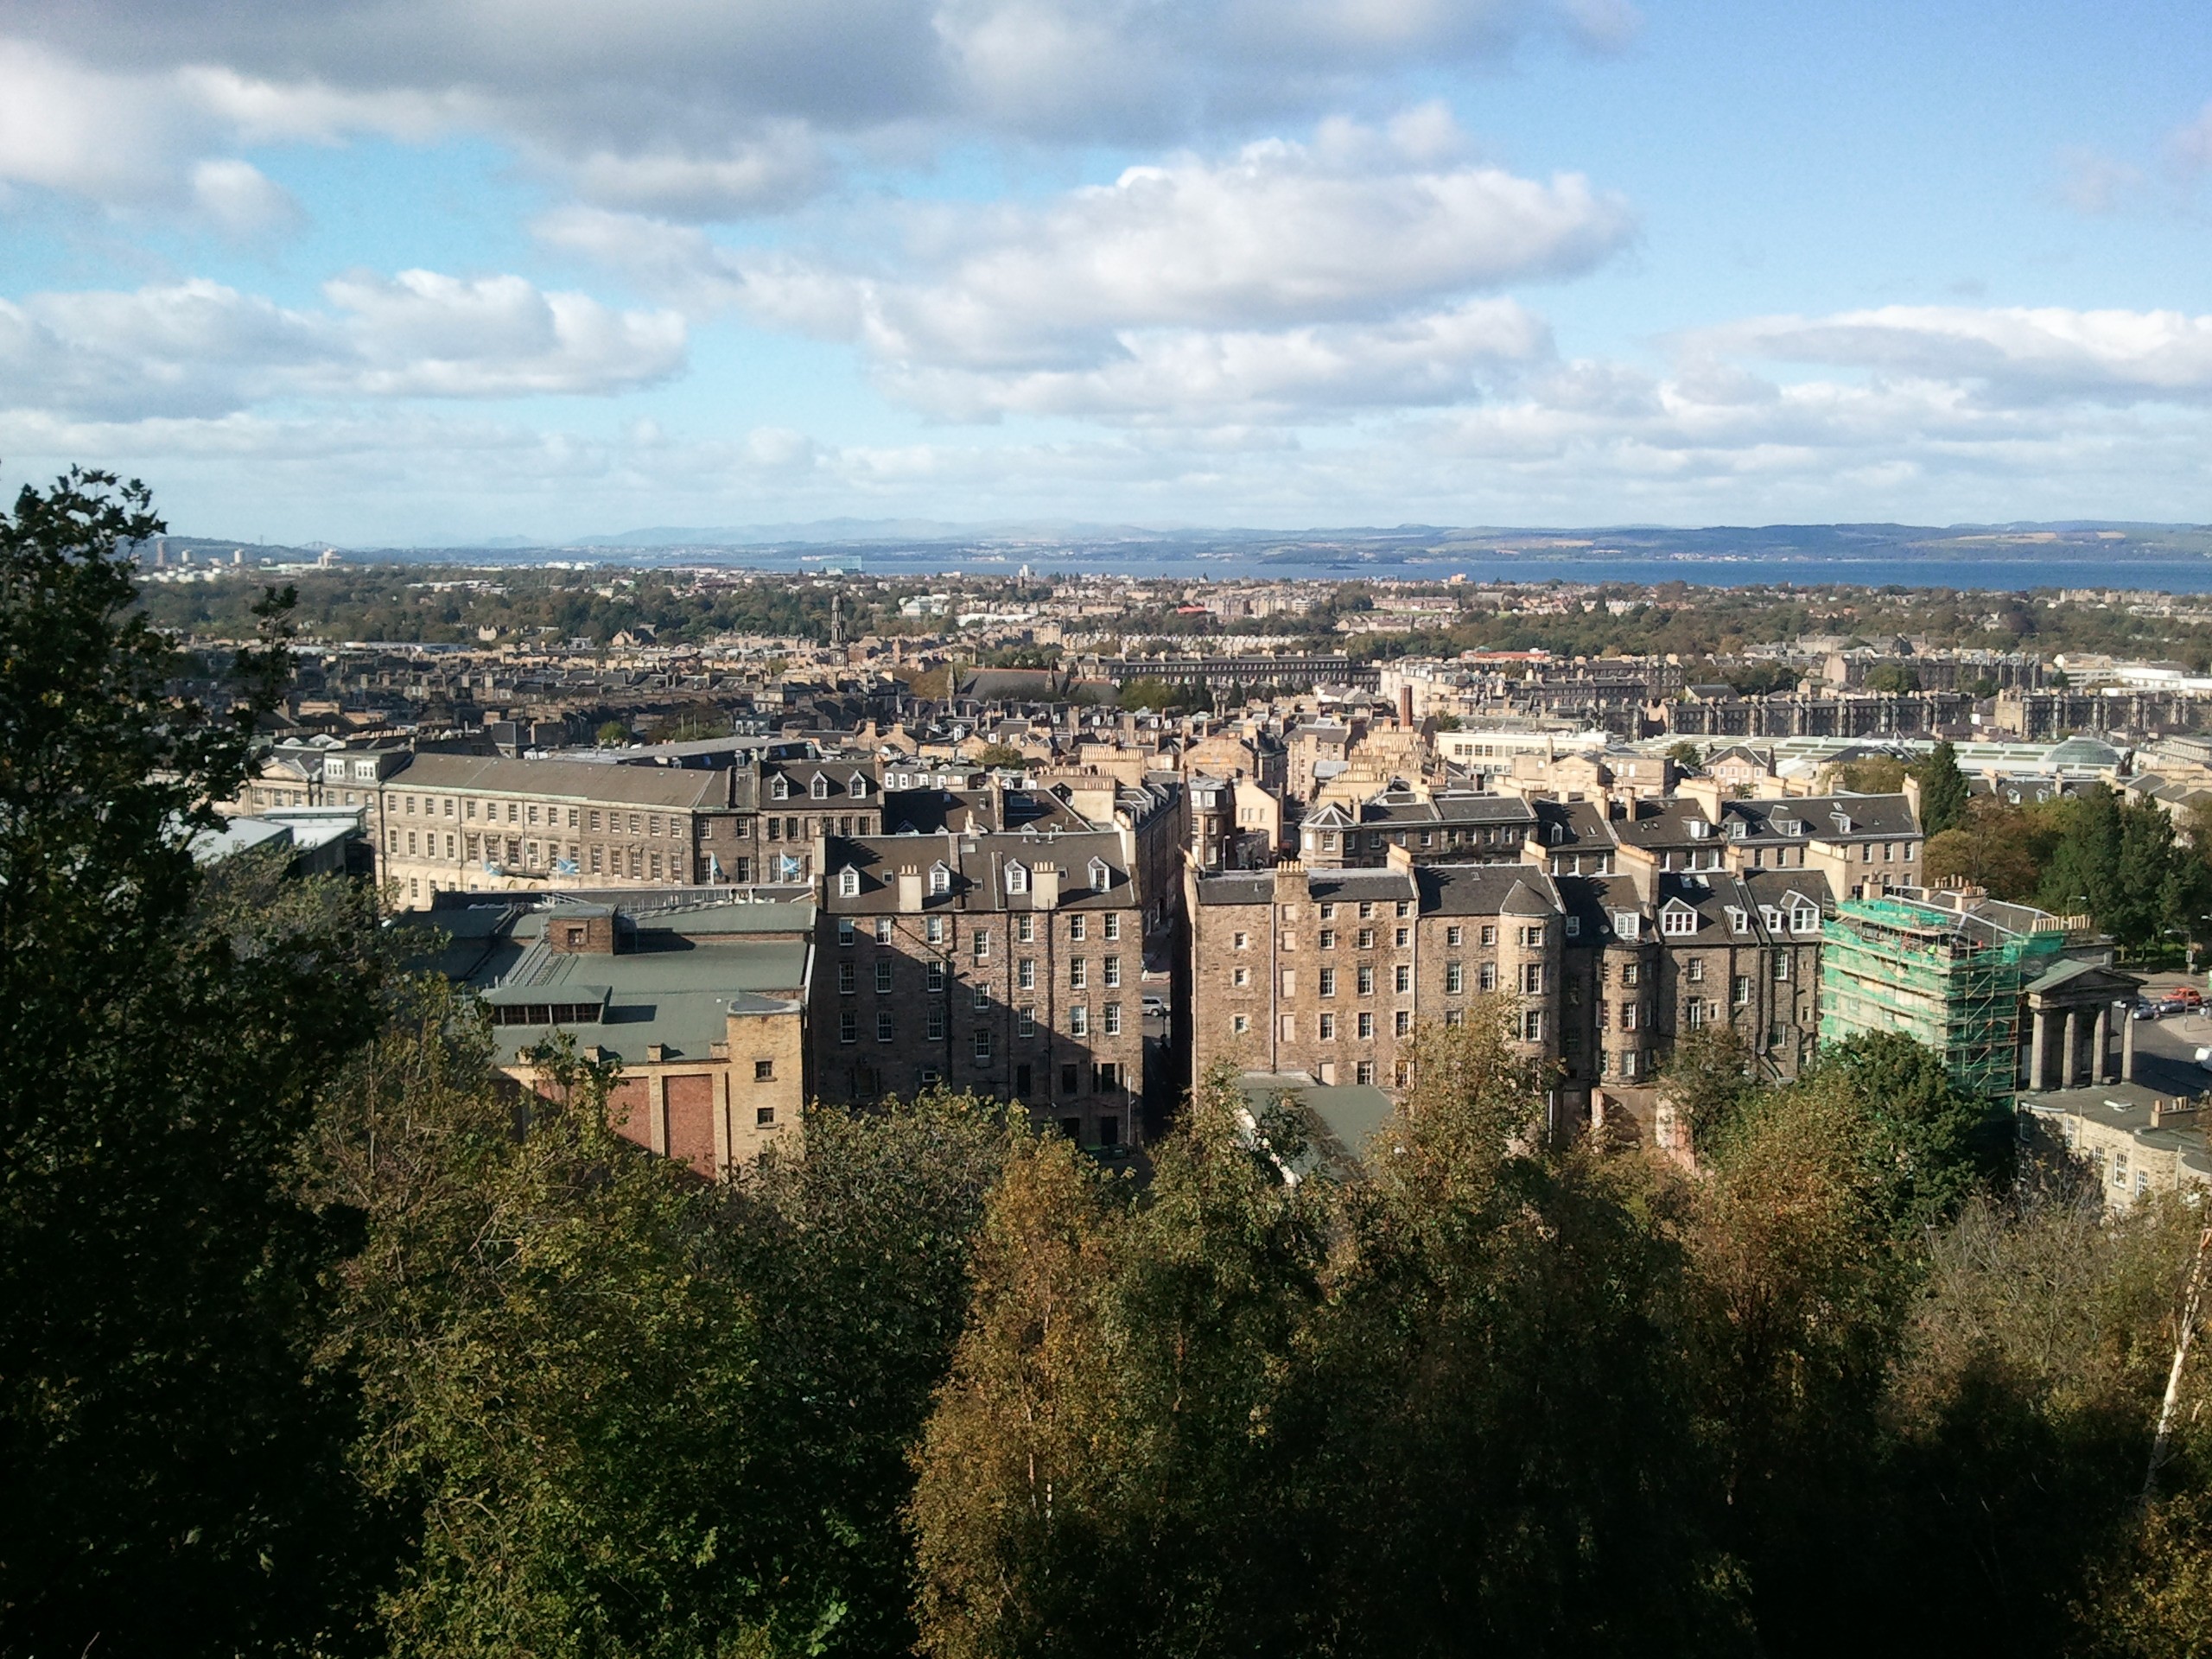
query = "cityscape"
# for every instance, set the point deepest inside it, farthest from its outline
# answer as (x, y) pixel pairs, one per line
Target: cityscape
(995, 829)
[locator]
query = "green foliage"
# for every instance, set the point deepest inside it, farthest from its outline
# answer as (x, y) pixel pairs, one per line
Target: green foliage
(1761, 679)
(613, 734)
(1709, 1079)
(555, 1352)
(1926, 1145)
(1943, 789)
(1892, 677)
(1879, 774)
(999, 754)
(173, 1465)
(1160, 694)
(1996, 846)
(1687, 756)
(2123, 865)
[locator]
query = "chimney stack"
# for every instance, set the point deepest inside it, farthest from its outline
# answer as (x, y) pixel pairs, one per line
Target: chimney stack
(910, 889)
(1406, 705)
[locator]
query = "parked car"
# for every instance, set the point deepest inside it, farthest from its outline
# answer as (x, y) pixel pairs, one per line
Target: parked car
(2188, 996)
(2146, 1009)
(2175, 1005)
(1156, 1005)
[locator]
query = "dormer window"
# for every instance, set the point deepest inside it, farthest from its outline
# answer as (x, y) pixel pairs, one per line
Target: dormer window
(940, 879)
(1804, 919)
(1790, 826)
(820, 787)
(1677, 920)
(1843, 824)
(848, 883)
(1017, 878)
(1699, 829)
(1737, 830)
(1771, 915)
(780, 788)
(859, 787)
(1101, 876)
(1627, 924)
(1737, 920)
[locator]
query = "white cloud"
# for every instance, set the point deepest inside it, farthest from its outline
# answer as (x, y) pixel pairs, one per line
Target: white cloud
(200, 349)
(2188, 146)
(1283, 279)
(703, 110)
(2006, 354)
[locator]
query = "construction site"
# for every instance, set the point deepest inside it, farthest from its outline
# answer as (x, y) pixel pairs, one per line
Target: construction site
(1945, 970)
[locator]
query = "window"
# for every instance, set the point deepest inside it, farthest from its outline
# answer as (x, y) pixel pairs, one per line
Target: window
(1532, 979)
(933, 929)
(1532, 1025)
(1804, 919)
(1328, 1027)
(1328, 982)
(1742, 991)
(1328, 912)
(1404, 938)
(1782, 967)
(1328, 941)
(1101, 876)
(1630, 973)
(1240, 977)
(1113, 1018)
(1113, 925)
(1574, 927)
(982, 1046)
(1025, 1022)
(844, 922)
(1241, 942)
(1017, 878)
(764, 1071)
(1489, 934)
(1403, 977)
(935, 1023)
(1025, 974)
(1366, 980)
(764, 1117)
(1025, 930)
(933, 976)
(1366, 1025)
(1678, 920)
(1455, 978)
(940, 879)
(848, 1026)
(1113, 965)
(845, 986)
(1486, 977)
(1239, 1024)
(779, 789)
(1078, 1021)
(1367, 938)
(980, 942)
(1628, 1016)
(1455, 1018)
(1455, 936)
(1403, 1023)
(1075, 930)
(1078, 974)
(821, 791)
(883, 930)
(886, 1024)
(848, 883)
(1532, 938)
(982, 995)
(1694, 970)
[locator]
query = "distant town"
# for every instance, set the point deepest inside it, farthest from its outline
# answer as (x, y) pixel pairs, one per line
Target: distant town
(1073, 840)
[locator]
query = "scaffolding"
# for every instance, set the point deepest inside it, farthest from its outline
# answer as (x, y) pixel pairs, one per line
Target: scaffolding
(1949, 979)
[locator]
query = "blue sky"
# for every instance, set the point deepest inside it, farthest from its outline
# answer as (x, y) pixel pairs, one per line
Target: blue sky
(424, 269)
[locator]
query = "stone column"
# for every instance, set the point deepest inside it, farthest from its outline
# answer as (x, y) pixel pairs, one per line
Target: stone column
(2069, 1054)
(2036, 1056)
(2128, 1045)
(2102, 1040)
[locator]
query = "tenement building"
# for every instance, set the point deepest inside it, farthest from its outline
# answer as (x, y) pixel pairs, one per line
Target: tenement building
(1008, 964)
(485, 823)
(1329, 972)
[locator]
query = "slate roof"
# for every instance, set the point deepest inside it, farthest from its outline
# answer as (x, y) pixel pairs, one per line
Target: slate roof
(977, 866)
(562, 780)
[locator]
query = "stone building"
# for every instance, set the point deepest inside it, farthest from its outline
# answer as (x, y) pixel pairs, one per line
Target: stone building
(1008, 964)
(1327, 972)
(701, 1000)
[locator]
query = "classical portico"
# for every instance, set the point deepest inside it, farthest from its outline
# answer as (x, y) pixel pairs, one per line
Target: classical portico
(2071, 1012)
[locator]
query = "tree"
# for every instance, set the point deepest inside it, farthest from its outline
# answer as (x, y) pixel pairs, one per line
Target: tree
(1878, 774)
(612, 733)
(1893, 678)
(555, 1351)
(1709, 1078)
(1943, 789)
(999, 754)
(172, 1459)
(1994, 847)
(1687, 756)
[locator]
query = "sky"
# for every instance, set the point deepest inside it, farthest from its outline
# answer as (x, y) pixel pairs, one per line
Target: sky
(420, 271)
